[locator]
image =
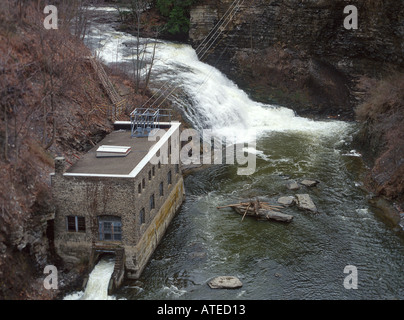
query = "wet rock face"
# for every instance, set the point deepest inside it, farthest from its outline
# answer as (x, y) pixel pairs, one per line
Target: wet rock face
(299, 53)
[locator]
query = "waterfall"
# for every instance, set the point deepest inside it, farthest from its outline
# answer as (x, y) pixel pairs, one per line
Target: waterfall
(207, 97)
(98, 281)
(211, 100)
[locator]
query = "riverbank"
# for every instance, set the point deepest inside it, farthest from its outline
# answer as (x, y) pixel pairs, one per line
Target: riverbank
(381, 140)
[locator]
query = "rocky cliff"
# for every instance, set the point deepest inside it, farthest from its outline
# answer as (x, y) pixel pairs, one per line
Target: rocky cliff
(298, 52)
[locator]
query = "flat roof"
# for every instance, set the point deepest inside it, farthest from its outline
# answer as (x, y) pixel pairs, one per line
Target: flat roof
(142, 151)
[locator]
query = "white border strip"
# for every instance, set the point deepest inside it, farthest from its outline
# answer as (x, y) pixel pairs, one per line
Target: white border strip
(128, 123)
(141, 164)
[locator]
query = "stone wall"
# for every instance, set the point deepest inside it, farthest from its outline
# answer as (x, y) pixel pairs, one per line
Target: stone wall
(92, 197)
(89, 198)
(137, 258)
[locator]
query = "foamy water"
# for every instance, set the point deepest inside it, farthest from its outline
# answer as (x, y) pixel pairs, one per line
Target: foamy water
(97, 285)
(208, 98)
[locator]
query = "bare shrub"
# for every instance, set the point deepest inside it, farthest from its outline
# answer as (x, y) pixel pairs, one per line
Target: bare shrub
(387, 97)
(383, 116)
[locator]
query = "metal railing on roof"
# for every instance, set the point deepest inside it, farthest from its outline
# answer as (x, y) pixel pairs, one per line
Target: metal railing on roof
(145, 120)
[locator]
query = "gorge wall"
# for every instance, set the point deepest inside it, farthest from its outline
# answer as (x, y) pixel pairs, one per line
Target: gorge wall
(297, 52)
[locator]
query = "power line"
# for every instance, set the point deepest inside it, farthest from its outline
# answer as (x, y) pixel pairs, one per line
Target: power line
(214, 30)
(214, 34)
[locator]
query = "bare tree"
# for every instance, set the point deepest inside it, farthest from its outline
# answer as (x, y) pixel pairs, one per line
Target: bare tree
(137, 8)
(148, 74)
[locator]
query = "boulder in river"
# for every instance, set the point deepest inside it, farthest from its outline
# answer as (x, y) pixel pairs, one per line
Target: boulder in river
(225, 282)
(260, 210)
(309, 182)
(292, 185)
(287, 201)
(304, 202)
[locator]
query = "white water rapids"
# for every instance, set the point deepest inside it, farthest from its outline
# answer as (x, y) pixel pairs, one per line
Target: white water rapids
(98, 281)
(207, 97)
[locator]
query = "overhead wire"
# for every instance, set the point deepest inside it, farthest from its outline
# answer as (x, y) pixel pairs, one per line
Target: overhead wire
(221, 21)
(214, 34)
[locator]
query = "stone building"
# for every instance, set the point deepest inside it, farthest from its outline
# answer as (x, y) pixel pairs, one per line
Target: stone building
(119, 204)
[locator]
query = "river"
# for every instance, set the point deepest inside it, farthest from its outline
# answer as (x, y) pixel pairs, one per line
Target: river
(301, 260)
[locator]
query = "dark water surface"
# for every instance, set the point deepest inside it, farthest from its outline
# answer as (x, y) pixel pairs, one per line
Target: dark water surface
(301, 260)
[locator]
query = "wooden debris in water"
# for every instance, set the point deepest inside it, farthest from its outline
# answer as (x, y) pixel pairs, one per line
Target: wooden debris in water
(260, 210)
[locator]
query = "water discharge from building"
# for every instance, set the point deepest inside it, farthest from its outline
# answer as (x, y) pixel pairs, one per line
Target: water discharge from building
(98, 281)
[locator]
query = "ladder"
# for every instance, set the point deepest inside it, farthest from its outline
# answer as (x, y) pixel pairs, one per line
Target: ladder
(118, 104)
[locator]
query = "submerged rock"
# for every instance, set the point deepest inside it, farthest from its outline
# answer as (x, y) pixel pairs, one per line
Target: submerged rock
(304, 202)
(225, 282)
(197, 254)
(292, 185)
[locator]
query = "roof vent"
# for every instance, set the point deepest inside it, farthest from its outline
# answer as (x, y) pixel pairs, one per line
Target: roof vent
(113, 151)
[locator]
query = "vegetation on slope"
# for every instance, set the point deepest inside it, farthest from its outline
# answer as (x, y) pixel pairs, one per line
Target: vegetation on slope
(169, 19)
(51, 104)
(382, 114)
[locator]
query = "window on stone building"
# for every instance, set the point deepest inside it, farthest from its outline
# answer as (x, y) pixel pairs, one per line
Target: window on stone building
(71, 223)
(81, 224)
(139, 188)
(177, 168)
(169, 178)
(161, 189)
(152, 204)
(76, 224)
(143, 183)
(110, 228)
(142, 215)
(149, 174)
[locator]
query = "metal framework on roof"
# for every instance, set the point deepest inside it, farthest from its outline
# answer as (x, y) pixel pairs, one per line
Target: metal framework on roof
(145, 120)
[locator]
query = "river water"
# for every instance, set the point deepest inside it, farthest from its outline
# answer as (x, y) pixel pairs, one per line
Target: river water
(301, 260)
